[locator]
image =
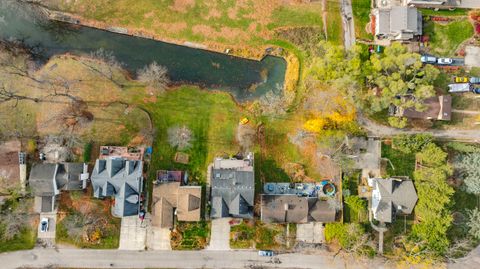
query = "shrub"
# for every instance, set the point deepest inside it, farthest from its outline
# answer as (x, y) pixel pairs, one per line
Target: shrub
(31, 146)
(411, 143)
(87, 152)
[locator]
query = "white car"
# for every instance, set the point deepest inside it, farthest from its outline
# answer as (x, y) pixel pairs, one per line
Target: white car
(444, 61)
(44, 225)
(427, 59)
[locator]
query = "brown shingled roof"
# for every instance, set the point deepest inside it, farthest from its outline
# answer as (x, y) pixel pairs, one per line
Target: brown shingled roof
(437, 108)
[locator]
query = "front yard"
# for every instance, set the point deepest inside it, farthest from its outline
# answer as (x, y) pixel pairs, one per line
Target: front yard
(86, 222)
(190, 235)
(18, 225)
(445, 38)
(250, 234)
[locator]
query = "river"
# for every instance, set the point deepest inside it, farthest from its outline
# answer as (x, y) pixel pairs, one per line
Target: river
(245, 79)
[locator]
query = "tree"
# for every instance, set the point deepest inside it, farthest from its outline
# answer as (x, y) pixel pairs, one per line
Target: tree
(468, 165)
(434, 198)
(275, 103)
(397, 122)
(411, 143)
(180, 137)
(155, 76)
(398, 73)
(473, 223)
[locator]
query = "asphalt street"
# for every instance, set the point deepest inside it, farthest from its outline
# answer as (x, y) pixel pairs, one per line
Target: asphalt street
(83, 258)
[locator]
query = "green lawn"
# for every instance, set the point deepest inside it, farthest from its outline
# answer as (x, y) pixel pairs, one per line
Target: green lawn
(361, 16)
(334, 23)
(445, 39)
(403, 163)
(291, 16)
(444, 12)
(212, 118)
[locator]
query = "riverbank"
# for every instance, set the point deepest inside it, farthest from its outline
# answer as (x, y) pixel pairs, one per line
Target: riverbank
(292, 72)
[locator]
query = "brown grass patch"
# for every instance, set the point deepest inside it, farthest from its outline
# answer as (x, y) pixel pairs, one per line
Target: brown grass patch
(182, 5)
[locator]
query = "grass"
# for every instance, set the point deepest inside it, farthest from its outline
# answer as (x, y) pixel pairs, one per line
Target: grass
(296, 16)
(242, 236)
(445, 39)
(25, 240)
(191, 235)
(444, 12)
(403, 163)
(402, 225)
(212, 118)
(334, 23)
(110, 240)
(265, 235)
(361, 16)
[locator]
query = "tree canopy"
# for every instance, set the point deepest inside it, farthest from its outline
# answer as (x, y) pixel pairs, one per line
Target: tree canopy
(468, 165)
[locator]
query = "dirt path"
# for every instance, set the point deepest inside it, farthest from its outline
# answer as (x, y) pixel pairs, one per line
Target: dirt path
(469, 112)
(376, 129)
(324, 18)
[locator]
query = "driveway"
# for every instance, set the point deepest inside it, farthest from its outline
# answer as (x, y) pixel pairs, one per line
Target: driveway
(472, 56)
(348, 24)
(158, 238)
(220, 234)
(133, 233)
(312, 233)
(52, 223)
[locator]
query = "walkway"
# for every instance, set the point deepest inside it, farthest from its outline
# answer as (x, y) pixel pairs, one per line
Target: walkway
(468, 112)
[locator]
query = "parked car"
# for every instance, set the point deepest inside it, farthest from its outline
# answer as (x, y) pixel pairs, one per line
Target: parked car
(444, 61)
(44, 225)
(460, 79)
(475, 80)
(265, 253)
(459, 87)
(476, 90)
(427, 59)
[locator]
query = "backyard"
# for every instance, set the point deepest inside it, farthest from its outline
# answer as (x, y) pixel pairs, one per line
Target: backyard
(361, 17)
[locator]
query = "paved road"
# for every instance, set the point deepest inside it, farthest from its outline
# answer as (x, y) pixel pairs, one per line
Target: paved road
(83, 258)
(376, 129)
(348, 25)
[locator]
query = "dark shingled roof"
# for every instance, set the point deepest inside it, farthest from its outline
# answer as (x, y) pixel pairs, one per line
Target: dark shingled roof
(295, 209)
(391, 197)
(437, 108)
(233, 188)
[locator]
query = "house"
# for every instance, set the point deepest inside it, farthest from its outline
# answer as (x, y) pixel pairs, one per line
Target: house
(48, 179)
(397, 23)
(391, 197)
(122, 179)
(295, 209)
(232, 187)
(296, 203)
(171, 199)
(366, 154)
(13, 168)
(437, 108)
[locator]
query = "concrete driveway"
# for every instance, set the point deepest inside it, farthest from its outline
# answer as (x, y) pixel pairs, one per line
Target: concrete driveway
(472, 56)
(312, 232)
(52, 223)
(133, 233)
(158, 238)
(220, 234)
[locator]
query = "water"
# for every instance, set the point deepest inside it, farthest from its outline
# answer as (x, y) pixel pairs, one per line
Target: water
(244, 79)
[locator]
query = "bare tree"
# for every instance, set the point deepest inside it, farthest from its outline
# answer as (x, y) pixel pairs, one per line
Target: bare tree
(273, 103)
(155, 76)
(15, 218)
(180, 137)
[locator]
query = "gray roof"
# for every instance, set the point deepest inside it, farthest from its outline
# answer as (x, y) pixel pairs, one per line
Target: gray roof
(398, 22)
(290, 208)
(392, 196)
(122, 179)
(233, 188)
(42, 179)
(49, 178)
